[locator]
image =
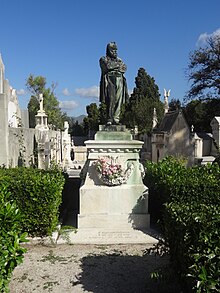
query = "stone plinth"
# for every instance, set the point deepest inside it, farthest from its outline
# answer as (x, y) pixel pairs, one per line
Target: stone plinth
(123, 207)
(113, 132)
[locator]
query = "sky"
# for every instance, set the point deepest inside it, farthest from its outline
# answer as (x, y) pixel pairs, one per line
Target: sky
(63, 41)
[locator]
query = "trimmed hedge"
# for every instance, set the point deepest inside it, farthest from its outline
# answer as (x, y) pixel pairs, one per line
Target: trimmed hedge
(190, 215)
(38, 195)
(11, 252)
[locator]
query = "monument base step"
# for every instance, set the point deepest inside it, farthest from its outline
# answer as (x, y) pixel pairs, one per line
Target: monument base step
(110, 236)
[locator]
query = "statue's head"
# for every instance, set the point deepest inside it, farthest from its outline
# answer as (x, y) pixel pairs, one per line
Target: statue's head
(111, 50)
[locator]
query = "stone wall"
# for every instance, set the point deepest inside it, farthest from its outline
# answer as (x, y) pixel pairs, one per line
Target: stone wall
(21, 146)
(25, 144)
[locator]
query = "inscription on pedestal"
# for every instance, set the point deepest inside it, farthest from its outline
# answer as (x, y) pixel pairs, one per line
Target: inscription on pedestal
(114, 235)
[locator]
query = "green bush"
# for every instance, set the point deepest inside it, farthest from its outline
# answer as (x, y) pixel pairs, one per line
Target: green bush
(190, 212)
(11, 252)
(38, 195)
(192, 232)
(160, 178)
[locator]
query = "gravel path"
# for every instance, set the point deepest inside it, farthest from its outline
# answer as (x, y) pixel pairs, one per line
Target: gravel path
(87, 268)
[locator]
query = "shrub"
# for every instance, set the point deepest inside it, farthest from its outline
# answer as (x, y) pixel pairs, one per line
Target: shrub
(11, 252)
(190, 214)
(160, 178)
(38, 195)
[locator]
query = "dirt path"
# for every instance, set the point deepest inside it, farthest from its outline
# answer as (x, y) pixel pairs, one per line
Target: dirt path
(87, 268)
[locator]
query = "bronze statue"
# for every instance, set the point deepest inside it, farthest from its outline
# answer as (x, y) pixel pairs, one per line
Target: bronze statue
(113, 86)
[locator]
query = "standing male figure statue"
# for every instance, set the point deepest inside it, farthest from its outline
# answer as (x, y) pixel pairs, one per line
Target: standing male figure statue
(113, 86)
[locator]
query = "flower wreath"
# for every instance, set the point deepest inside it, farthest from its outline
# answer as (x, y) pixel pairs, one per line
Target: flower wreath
(110, 172)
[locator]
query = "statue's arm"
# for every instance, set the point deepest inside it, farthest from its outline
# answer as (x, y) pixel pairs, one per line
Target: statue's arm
(122, 67)
(110, 65)
(103, 64)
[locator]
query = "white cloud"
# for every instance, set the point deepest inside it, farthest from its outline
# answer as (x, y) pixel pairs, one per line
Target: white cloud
(91, 92)
(205, 36)
(68, 105)
(20, 92)
(66, 92)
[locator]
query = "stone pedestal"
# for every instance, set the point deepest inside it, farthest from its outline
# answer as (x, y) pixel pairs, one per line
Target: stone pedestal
(110, 209)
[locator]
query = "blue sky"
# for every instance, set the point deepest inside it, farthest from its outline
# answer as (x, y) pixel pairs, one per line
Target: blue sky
(63, 40)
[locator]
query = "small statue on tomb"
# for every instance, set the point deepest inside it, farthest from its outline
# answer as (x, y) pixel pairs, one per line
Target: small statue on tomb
(41, 102)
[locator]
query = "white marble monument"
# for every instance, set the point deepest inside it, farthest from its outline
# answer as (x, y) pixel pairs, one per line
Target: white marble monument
(113, 198)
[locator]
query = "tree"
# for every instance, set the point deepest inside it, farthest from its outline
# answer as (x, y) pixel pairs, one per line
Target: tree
(96, 115)
(143, 100)
(200, 113)
(77, 129)
(174, 104)
(91, 121)
(204, 70)
(33, 106)
(102, 113)
(37, 85)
